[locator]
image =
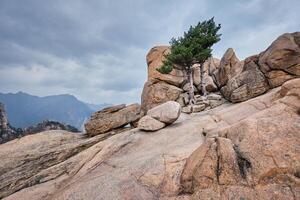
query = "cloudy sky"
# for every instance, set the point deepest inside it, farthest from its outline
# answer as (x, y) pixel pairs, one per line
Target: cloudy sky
(95, 49)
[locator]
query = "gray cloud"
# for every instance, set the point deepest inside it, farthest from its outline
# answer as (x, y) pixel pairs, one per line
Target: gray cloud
(96, 49)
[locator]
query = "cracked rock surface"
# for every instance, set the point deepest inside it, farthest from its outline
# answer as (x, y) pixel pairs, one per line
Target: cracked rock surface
(248, 150)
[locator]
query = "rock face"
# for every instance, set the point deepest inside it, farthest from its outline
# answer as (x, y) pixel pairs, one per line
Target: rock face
(155, 94)
(154, 61)
(281, 61)
(111, 118)
(256, 158)
(249, 83)
(247, 150)
(230, 66)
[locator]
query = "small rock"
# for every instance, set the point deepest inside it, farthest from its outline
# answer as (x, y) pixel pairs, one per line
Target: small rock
(215, 103)
(187, 109)
(148, 123)
(199, 108)
(167, 112)
(214, 97)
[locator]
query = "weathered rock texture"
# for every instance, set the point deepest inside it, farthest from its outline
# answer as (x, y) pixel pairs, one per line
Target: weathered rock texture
(248, 150)
(256, 158)
(155, 94)
(160, 116)
(112, 118)
(154, 61)
(238, 151)
(148, 123)
(237, 80)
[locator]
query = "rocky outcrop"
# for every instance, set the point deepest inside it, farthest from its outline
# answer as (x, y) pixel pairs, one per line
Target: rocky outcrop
(249, 83)
(281, 61)
(247, 150)
(230, 66)
(112, 118)
(237, 80)
(240, 81)
(256, 158)
(47, 126)
(6, 131)
(160, 116)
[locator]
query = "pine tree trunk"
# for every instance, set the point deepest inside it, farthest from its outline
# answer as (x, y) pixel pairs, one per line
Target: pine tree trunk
(191, 90)
(203, 84)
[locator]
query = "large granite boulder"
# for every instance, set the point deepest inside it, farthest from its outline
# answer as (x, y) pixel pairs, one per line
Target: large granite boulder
(154, 61)
(167, 112)
(148, 123)
(155, 94)
(230, 66)
(111, 118)
(249, 83)
(281, 61)
(160, 116)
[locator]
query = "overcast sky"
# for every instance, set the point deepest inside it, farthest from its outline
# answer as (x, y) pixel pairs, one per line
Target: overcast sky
(95, 49)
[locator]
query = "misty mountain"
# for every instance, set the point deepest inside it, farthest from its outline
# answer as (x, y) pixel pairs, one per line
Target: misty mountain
(25, 110)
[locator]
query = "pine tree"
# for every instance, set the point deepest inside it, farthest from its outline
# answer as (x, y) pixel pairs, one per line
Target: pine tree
(194, 47)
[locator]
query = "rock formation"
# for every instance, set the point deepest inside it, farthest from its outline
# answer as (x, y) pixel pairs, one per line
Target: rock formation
(237, 80)
(47, 126)
(6, 131)
(112, 118)
(244, 150)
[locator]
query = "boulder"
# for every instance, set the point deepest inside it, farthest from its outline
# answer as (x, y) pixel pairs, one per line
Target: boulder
(155, 94)
(249, 83)
(154, 61)
(148, 123)
(187, 109)
(282, 55)
(214, 97)
(167, 112)
(112, 118)
(199, 108)
(230, 66)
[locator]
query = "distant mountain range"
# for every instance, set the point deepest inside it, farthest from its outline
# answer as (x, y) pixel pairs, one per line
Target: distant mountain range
(25, 110)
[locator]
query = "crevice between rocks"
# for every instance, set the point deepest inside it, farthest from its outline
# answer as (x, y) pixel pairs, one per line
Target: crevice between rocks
(243, 163)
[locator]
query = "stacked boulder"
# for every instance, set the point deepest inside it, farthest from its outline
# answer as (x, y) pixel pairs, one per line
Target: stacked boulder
(228, 78)
(160, 116)
(112, 118)
(174, 86)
